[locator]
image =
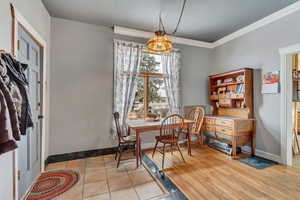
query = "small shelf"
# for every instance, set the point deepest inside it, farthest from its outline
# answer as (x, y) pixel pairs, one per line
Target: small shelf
(226, 84)
(237, 96)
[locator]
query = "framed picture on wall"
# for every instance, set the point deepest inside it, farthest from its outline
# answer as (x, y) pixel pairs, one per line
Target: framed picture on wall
(270, 82)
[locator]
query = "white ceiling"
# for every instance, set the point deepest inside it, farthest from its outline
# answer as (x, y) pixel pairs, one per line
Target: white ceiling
(205, 20)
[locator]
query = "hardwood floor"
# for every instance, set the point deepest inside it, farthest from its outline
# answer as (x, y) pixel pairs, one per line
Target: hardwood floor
(210, 175)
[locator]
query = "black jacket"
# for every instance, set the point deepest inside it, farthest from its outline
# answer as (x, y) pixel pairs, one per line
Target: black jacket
(15, 71)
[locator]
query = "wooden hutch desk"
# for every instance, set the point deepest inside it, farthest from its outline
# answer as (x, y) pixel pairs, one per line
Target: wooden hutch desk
(231, 96)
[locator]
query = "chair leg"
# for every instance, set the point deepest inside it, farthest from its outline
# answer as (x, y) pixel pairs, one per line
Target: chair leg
(119, 158)
(154, 148)
(199, 139)
(172, 148)
(140, 151)
(163, 161)
(117, 152)
(180, 151)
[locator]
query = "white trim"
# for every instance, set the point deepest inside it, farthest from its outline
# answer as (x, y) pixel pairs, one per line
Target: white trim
(289, 49)
(286, 103)
(144, 34)
(197, 43)
(245, 149)
(21, 20)
(262, 154)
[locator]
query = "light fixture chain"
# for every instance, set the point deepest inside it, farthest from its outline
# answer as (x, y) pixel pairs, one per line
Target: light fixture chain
(160, 22)
(182, 9)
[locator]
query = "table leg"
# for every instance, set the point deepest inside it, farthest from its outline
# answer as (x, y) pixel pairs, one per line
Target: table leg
(128, 131)
(253, 139)
(137, 149)
(140, 151)
(234, 145)
(189, 141)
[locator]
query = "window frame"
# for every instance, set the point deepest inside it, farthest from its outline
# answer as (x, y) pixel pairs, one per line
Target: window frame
(146, 76)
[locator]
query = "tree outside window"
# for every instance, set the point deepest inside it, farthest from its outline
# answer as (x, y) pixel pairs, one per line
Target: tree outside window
(150, 97)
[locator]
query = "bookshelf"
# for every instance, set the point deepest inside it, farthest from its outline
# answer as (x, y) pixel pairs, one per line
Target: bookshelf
(231, 93)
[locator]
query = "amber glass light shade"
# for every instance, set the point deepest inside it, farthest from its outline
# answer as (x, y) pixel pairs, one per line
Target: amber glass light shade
(160, 43)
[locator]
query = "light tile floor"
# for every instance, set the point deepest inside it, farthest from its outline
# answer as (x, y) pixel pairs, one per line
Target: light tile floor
(101, 180)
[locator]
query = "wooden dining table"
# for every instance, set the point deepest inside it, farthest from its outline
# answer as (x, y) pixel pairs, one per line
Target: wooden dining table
(141, 126)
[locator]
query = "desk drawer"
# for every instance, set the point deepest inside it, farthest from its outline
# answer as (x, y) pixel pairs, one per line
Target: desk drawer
(224, 129)
(224, 122)
(209, 127)
(209, 121)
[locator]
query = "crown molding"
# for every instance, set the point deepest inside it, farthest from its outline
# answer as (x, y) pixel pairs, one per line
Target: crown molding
(144, 34)
(260, 23)
(197, 43)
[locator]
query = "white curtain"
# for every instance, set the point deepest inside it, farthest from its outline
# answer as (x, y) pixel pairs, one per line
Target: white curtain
(127, 57)
(171, 64)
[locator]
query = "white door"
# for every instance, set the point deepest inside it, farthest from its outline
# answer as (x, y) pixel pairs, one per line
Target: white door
(29, 148)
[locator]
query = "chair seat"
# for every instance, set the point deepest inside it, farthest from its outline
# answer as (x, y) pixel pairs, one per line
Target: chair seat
(184, 130)
(129, 139)
(167, 139)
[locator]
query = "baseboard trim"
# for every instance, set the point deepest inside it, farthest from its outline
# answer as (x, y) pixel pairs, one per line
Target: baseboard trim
(79, 155)
(85, 154)
(263, 154)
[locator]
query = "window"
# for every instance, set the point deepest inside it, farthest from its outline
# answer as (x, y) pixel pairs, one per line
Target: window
(150, 97)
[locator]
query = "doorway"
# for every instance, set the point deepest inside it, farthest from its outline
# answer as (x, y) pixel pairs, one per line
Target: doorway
(29, 148)
(288, 105)
(293, 60)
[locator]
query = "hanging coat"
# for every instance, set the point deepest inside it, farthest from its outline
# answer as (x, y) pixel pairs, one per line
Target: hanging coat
(15, 72)
(7, 142)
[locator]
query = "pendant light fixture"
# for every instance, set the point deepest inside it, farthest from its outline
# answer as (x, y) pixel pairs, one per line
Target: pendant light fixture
(160, 43)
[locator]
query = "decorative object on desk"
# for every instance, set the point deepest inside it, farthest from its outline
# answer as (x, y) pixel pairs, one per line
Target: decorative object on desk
(295, 62)
(221, 90)
(231, 88)
(257, 162)
(270, 82)
(240, 78)
(52, 184)
(152, 117)
(296, 74)
(225, 103)
(228, 80)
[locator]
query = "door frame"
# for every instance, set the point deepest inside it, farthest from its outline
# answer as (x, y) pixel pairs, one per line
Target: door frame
(19, 20)
(286, 103)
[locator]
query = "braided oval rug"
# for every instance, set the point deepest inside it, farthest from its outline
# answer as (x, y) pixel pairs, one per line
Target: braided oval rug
(52, 184)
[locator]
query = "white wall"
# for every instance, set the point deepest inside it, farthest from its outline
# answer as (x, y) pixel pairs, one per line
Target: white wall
(37, 15)
(259, 50)
(82, 84)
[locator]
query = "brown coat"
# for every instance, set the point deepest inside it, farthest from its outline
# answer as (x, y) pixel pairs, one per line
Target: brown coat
(7, 143)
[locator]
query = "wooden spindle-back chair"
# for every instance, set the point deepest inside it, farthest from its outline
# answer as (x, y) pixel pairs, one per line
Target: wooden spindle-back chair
(125, 142)
(169, 134)
(197, 115)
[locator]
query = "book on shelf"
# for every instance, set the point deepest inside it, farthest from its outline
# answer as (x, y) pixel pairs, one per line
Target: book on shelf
(240, 88)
